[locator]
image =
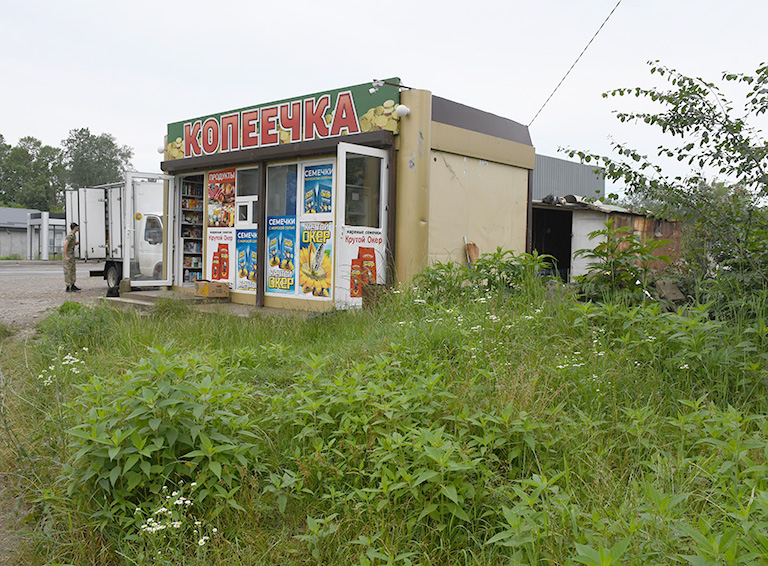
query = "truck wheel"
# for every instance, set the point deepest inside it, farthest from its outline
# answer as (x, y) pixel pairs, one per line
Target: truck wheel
(113, 276)
(157, 273)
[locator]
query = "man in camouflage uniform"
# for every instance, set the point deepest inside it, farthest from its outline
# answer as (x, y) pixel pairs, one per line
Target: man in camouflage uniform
(69, 258)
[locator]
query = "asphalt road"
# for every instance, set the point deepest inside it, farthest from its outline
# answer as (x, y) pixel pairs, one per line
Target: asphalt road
(29, 290)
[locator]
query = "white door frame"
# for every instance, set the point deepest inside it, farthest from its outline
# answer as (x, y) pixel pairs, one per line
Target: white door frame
(169, 231)
(350, 238)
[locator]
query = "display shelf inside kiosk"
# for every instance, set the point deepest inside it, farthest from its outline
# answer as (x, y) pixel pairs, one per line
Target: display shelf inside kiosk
(192, 228)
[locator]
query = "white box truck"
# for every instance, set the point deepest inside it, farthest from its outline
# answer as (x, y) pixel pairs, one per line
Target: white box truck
(125, 225)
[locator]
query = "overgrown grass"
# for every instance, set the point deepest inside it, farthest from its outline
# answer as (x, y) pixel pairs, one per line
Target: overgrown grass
(504, 422)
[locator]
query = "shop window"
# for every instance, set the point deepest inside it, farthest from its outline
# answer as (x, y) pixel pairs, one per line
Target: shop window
(247, 200)
(247, 182)
(363, 191)
(281, 190)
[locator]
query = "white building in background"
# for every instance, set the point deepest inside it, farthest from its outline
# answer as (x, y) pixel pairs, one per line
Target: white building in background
(31, 234)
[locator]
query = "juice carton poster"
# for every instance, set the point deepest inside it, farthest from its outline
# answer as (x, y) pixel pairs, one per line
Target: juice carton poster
(221, 198)
(281, 250)
(247, 259)
(318, 188)
(316, 259)
(220, 255)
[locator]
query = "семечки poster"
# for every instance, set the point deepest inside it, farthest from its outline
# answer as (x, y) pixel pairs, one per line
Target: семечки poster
(281, 249)
(247, 259)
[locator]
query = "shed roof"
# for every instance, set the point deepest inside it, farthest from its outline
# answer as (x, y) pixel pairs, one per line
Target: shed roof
(14, 217)
(577, 202)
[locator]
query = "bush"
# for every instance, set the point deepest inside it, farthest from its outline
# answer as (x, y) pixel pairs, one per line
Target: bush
(502, 270)
(74, 326)
(619, 263)
(167, 422)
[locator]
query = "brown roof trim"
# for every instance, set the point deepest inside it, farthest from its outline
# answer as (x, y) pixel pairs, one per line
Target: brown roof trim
(381, 138)
(455, 114)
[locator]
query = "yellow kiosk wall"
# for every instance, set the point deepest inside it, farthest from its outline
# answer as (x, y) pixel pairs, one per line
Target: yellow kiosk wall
(482, 200)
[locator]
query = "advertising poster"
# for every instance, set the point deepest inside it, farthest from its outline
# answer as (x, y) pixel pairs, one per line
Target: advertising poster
(281, 248)
(361, 262)
(221, 198)
(220, 262)
(318, 188)
(247, 256)
(316, 259)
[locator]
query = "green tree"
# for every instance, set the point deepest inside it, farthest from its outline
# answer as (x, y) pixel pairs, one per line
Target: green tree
(31, 175)
(94, 160)
(716, 140)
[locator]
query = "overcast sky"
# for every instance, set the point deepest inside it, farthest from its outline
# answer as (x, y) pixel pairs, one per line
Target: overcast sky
(130, 68)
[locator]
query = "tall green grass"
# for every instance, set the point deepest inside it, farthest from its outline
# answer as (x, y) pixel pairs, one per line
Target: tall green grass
(495, 421)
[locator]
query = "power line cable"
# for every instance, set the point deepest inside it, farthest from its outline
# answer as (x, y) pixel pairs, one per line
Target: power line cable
(574, 63)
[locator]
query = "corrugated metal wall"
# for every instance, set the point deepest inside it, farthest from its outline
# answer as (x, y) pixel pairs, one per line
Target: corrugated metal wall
(560, 177)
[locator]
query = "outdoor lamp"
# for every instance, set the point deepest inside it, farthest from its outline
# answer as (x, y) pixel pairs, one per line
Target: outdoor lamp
(377, 84)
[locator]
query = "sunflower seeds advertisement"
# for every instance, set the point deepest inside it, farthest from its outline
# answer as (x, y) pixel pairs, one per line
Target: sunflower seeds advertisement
(281, 246)
(219, 255)
(361, 261)
(247, 256)
(318, 188)
(221, 198)
(316, 259)
(346, 111)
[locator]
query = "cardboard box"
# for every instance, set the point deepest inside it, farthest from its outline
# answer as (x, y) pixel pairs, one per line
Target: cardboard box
(211, 289)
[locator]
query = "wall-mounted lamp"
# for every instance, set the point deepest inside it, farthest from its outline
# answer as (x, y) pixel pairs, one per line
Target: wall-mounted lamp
(402, 110)
(377, 84)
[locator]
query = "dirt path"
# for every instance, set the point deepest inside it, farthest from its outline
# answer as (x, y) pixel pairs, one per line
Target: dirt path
(30, 291)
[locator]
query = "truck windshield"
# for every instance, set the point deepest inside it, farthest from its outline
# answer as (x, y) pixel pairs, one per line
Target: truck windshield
(153, 231)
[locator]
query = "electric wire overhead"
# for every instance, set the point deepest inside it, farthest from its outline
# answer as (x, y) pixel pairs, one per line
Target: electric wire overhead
(574, 63)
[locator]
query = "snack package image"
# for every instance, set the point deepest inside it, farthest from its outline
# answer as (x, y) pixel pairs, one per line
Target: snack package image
(318, 189)
(253, 266)
(355, 281)
(287, 253)
(274, 250)
(223, 261)
(216, 266)
(242, 265)
(367, 257)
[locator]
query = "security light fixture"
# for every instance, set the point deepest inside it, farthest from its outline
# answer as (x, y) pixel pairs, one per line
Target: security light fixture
(377, 84)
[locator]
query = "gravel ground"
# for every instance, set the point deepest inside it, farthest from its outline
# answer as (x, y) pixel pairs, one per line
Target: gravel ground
(26, 300)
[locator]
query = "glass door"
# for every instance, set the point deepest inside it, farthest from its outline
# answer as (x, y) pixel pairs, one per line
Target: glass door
(361, 220)
(147, 229)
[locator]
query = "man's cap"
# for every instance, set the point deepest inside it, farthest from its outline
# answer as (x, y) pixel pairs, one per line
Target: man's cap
(74, 225)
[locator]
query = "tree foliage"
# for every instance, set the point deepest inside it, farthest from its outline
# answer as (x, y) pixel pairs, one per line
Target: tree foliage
(31, 175)
(94, 160)
(717, 140)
